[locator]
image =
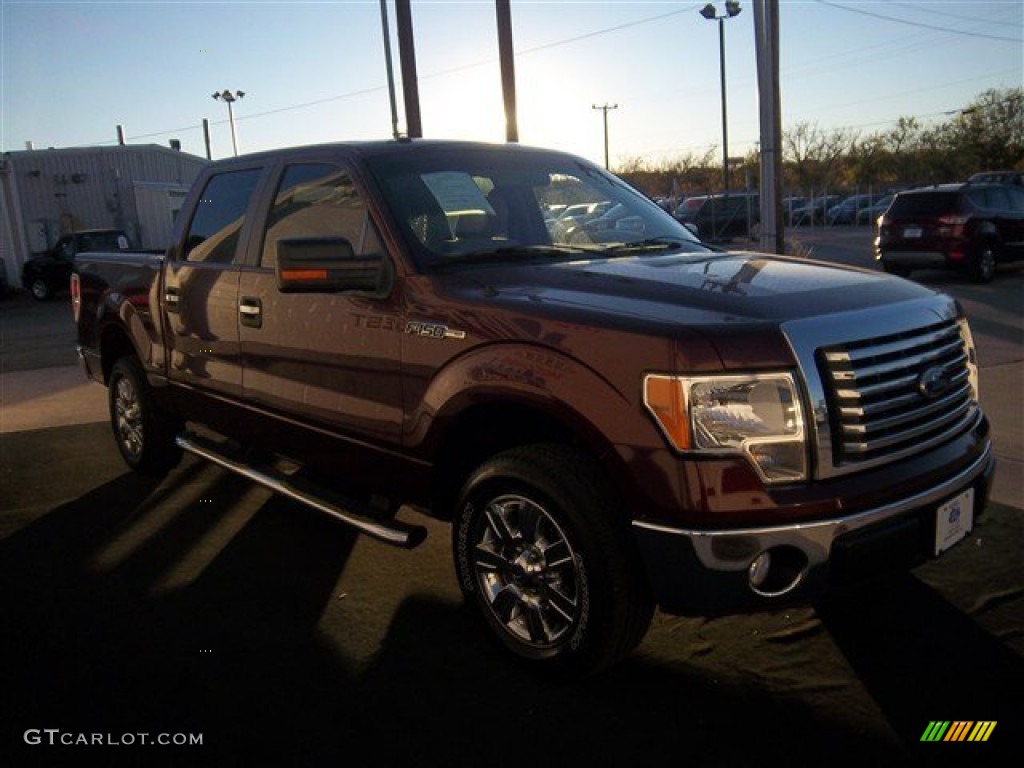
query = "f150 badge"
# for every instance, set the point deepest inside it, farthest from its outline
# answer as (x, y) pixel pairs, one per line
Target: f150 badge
(432, 330)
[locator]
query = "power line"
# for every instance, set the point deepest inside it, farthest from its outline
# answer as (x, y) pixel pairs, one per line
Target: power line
(439, 73)
(559, 43)
(747, 142)
(920, 8)
(922, 25)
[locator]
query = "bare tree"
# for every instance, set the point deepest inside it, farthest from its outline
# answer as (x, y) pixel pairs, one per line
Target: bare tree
(815, 155)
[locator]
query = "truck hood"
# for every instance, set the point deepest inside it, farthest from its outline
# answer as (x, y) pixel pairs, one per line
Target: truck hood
(679, 290)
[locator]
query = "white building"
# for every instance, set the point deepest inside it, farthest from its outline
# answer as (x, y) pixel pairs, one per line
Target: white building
(45, 193)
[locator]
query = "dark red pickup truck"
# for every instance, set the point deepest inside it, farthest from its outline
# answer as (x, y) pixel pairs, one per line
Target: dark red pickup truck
(611, 414)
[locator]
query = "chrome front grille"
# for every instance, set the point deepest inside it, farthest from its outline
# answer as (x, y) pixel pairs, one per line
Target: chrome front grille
(890, 395)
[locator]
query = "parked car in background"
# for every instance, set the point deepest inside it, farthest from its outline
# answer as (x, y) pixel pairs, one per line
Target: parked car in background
(848, 210)
(999, 177)
(45, 275)
(4, 285)
(870, 214)
(720, 217)
(572, 219)
(790, 204)
(813, 212)
(968, 227)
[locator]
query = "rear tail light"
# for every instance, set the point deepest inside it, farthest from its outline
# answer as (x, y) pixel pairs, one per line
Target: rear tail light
(76, 296)
(951, 225)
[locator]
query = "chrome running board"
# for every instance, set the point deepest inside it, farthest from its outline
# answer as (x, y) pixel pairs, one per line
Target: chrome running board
(353, 513)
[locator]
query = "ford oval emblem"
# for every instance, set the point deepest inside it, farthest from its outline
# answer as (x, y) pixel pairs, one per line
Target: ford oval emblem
(934, 382)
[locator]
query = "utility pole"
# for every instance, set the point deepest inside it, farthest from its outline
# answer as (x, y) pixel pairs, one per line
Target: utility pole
(390, 69)
(766, 39)
(206, 138)
(410, 82)
(604, 108)
(508, 72)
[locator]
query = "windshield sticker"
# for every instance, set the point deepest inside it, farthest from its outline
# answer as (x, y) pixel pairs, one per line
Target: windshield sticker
(457, 193)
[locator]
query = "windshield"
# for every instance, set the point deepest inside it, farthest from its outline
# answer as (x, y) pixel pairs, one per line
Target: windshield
(503, 203)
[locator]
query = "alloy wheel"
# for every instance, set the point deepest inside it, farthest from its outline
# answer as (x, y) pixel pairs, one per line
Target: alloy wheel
(528, 573)
(128, 417)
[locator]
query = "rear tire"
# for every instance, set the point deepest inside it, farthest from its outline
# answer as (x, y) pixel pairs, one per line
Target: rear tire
(144, 432)
(40, 290)
(547, 560)
(984, 268)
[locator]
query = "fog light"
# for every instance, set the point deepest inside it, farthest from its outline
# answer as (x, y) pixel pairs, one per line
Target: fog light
(759, 569)
(777, 571)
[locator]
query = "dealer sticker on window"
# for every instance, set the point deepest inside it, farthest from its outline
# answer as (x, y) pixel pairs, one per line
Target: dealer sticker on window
(954, 520)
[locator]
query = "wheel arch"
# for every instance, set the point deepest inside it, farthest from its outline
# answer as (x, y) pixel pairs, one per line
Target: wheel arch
(482, 430)
(115, 343)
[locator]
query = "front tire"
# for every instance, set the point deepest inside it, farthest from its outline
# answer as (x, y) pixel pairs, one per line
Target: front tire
(547, 560)
(143, 431)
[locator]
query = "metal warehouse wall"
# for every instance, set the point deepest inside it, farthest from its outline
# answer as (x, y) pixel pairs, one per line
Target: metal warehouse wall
(52, 191)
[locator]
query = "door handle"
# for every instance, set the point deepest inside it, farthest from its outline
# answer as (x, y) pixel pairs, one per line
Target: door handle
(250, 312)
(172, 298)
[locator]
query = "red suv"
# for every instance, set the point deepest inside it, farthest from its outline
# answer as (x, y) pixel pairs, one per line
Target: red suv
(968, 227)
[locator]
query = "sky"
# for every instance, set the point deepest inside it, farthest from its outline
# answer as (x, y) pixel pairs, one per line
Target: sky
(314, 72)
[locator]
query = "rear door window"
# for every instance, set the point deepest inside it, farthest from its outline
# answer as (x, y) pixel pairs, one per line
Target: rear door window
(220, 213)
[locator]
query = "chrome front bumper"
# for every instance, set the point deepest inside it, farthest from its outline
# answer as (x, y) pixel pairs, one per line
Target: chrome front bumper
(714, 566)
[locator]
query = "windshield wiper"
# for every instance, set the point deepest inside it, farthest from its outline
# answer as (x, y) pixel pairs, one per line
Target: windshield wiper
(650, 245)
(516, 253)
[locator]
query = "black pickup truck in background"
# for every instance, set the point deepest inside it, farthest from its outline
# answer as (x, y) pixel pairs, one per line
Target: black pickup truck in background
(46, 275)
(611, 415)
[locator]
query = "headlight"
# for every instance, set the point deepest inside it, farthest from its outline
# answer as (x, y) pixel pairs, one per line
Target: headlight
(972, 357)
(758, 416)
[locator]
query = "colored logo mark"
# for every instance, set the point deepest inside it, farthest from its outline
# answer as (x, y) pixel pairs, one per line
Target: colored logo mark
(960, 730)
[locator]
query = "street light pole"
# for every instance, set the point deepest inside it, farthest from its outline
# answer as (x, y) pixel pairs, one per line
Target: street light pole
(604, 108)
(231, 98)
(709, 12)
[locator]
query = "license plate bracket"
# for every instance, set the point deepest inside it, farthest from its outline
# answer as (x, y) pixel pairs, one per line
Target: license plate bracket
(954, 520)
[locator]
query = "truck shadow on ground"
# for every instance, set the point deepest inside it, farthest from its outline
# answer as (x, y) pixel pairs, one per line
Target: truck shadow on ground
(104, 643)
(923, 659)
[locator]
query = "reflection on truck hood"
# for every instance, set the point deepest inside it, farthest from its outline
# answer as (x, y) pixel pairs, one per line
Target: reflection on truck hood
(695, 289)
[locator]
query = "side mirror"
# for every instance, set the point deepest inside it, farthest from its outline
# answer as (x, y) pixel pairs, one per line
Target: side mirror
(327, 265)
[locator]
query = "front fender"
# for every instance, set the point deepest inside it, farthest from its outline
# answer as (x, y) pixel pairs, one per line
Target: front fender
(600, 411)
(526, 380)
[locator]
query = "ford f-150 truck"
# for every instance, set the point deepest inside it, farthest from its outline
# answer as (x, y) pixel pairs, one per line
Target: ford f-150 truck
(611, 415)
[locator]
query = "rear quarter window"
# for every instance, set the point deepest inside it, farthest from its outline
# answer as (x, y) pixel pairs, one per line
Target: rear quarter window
(1016, 200)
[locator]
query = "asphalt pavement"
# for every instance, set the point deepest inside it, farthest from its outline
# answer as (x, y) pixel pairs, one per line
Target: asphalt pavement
(201, 605)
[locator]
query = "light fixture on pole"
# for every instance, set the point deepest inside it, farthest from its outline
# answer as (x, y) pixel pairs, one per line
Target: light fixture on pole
(604, 108)
(231, 98)
(709, 12)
